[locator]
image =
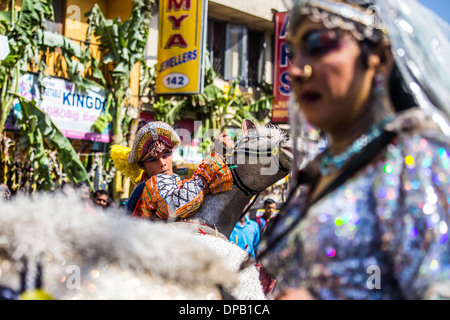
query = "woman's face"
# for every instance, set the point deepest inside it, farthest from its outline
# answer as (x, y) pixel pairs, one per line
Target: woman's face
(161, 163)
(338, 88)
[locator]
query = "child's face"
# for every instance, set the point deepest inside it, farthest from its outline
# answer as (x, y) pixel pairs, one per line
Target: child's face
(161, 163)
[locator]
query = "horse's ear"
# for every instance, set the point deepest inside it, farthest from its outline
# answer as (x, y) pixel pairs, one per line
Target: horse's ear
(247, 125)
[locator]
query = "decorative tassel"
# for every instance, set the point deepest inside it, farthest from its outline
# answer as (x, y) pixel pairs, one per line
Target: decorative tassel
(119, 155)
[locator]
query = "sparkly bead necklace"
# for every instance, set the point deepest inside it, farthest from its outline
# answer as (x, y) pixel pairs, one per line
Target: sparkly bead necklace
(330, 164)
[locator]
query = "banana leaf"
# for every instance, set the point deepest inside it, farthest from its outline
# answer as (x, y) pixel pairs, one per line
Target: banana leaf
(123, 45)
(31, 139)
(46, 130)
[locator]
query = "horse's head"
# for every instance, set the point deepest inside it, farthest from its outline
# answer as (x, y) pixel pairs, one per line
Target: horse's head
(262, 156)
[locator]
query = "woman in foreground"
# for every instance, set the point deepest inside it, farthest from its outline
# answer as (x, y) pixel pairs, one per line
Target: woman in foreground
(372, 219)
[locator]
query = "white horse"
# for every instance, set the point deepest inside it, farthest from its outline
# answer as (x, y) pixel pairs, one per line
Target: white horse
(77, 255)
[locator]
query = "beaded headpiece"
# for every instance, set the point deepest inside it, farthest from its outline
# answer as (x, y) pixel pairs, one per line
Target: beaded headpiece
(359, 17)
(151, 139)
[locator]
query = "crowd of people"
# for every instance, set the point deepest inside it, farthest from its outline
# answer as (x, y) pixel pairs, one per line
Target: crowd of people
(247, 232)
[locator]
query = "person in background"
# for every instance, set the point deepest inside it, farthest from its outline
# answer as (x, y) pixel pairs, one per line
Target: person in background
(83, 190)
(101, 198)
(269, 209)
(267, 281)
(246, 235)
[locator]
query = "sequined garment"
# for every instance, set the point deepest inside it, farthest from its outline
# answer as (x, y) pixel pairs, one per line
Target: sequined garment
(381, 235)
(167, 196)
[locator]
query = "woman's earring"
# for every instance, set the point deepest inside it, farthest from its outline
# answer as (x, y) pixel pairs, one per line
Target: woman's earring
(378, 85)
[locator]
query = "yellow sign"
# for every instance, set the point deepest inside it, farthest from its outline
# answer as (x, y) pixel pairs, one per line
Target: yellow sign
(182, 29)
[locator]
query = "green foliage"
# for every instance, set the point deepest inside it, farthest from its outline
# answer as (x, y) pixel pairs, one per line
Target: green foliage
(102, 122)
(124, 45)
(38, 131)
(29, 43)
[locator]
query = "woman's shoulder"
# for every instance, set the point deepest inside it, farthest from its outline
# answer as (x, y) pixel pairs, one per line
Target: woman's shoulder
(414, 124)
(419, 145)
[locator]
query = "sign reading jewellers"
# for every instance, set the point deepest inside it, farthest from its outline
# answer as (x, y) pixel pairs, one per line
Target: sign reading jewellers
(182, 28)
(72, 110)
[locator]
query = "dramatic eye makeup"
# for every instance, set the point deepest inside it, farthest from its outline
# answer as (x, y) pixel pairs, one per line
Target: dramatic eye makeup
(320, 42)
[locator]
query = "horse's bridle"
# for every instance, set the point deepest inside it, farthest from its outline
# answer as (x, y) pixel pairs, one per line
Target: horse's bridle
(273, 152)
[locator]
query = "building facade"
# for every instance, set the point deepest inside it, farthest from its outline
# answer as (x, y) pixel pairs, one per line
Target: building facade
(240, 36)
(239, 39)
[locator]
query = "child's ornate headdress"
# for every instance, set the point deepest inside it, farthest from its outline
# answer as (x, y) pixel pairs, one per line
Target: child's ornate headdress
(150, 140)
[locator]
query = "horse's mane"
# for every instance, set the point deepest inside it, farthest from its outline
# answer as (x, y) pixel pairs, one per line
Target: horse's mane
(268, 131)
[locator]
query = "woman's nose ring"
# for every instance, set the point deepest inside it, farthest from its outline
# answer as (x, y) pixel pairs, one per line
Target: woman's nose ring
(307, 71)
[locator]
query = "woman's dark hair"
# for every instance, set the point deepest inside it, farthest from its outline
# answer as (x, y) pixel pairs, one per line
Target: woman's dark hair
(401, 97)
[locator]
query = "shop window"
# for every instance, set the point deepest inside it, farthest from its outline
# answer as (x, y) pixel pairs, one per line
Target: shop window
(216, 45)
(256, 58)
(236, 52)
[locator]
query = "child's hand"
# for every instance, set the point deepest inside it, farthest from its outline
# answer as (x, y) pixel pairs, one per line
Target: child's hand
(224, 141)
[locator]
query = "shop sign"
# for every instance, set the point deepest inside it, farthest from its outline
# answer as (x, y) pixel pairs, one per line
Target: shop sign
(182, 32)
(72, 110)
(281, 83)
